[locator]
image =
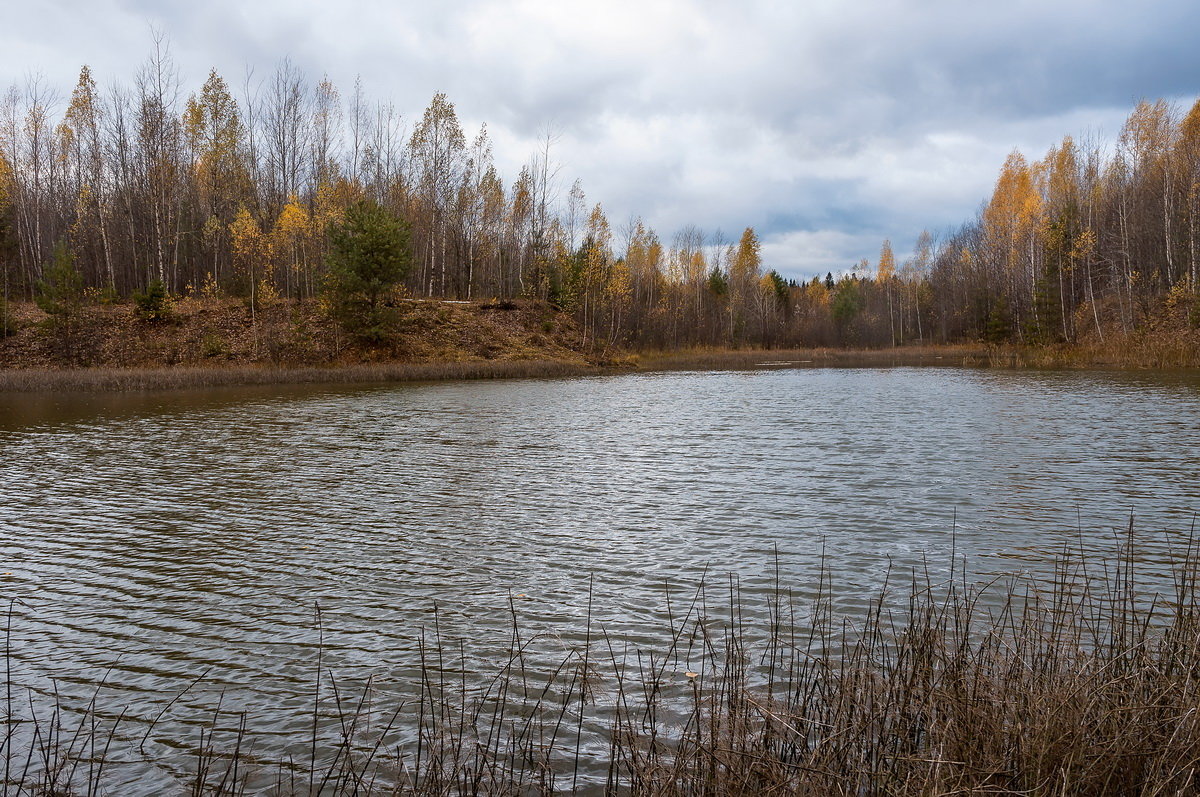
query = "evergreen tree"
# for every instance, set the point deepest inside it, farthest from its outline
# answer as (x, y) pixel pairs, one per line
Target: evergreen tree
(368, 257)
(60, 296)
(846, 304)
(154, 304)
(60, 292)
(780, 288)
(718, 285)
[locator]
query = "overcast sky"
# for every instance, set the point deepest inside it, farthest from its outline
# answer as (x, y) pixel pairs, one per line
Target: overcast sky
(827, 126)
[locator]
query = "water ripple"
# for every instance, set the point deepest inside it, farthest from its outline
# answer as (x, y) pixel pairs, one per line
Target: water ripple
(156, 540)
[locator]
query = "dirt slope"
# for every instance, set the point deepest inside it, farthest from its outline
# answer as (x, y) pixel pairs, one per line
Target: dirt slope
(211, 332)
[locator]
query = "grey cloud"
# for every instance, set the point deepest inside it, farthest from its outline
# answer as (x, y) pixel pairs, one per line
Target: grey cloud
(827, 125)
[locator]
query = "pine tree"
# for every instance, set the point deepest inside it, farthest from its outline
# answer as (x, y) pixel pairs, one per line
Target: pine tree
(60, 292)
(60, 296)
(368, 256)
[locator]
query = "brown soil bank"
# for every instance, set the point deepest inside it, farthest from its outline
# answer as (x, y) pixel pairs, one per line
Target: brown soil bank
(207, 332)
(218, 341)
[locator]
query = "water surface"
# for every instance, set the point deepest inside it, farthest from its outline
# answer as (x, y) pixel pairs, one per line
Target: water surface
(152, 538)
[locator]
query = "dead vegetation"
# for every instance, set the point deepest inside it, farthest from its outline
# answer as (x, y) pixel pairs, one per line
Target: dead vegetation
(1077, 683)
(218, 341)
(209, 341)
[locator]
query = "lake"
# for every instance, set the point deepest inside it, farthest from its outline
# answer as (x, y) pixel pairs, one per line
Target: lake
(151, 539)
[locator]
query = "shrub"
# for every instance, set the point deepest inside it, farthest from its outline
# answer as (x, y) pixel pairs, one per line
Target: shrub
(155, 304)
(213, 345)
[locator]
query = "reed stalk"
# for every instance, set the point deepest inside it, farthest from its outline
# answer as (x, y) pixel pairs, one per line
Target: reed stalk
(1080, 682)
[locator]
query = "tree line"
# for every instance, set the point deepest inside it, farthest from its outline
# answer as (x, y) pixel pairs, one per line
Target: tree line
(237, 191)
(1090, 239)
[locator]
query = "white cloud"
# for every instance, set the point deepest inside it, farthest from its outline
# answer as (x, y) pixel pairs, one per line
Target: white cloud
(805, 254)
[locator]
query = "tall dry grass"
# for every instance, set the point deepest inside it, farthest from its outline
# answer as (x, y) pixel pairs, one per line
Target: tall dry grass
(139, 379)
(737, 359)
(1076, 683)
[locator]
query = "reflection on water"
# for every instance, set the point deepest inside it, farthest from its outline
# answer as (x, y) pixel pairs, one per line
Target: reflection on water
(159, 536)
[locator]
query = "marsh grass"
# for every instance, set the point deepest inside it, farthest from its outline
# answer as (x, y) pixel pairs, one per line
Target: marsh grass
(1158, 353)
(92, 380)
(742, 359)
(140, 379)
(1079, 682)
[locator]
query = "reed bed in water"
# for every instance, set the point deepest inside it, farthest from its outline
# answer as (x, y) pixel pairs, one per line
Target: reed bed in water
(135, 379)
(748, 359)
(1078, 683)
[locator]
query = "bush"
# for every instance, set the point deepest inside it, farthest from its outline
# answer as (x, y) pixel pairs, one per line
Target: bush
(153, 305)
(213, 345)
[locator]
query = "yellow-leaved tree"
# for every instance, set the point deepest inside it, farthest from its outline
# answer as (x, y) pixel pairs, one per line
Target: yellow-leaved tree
(213, 133)
(745, 273)
(885, 276)
(251, 250)
(1187, 165)
(290, 246)
(1011, 222)
(6, 183)
(887, 263)
(597, 259)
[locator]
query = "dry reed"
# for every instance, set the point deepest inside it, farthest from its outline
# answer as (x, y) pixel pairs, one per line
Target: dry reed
(182, 377)
(1076, 683)
(741, 359)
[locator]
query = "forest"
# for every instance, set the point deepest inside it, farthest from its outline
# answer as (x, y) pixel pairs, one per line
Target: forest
(221, 191)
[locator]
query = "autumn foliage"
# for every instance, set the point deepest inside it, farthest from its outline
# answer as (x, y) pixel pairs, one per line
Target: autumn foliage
(152, 183)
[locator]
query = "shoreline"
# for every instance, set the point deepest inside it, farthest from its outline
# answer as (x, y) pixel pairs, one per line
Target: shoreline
(114, 380)
(183, 377)
(952, 355)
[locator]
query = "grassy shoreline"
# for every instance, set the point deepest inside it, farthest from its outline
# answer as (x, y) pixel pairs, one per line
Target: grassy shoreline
(180, 377)
(736, 359)
(36, 380)
(214, 341)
